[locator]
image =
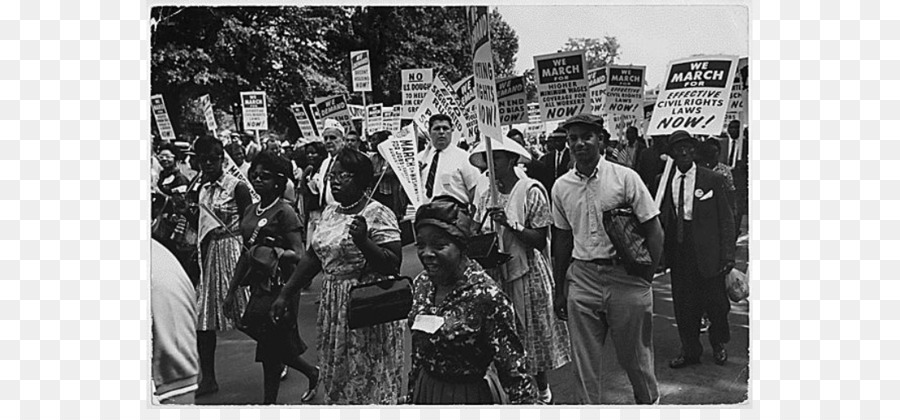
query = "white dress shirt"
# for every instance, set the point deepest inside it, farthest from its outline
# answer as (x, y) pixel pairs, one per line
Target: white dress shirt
(689, 182)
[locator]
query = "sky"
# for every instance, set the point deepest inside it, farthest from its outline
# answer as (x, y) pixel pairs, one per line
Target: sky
(648, 35)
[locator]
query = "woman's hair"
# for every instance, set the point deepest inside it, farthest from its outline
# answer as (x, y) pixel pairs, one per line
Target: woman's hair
(276, 164)
(359, 165)
(234, 147)
(707, 151)
(208, 145)
(172, 148)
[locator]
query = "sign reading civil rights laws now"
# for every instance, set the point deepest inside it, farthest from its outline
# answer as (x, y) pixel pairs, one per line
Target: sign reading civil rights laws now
(695, 96)
(625, 90)
(597, 83)
(414, 84)
(158, 105)
(465, 93)
(441, 99)
(256, 116)
(562, 85)
(486, 108)
(511, 98)
(374, 118)
(304, 122)
(362, 73)
(335, 107)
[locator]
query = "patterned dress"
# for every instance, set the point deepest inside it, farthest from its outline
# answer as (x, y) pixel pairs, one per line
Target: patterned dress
(365, 365)
(545, 337)
(479, 329)
(219, 253)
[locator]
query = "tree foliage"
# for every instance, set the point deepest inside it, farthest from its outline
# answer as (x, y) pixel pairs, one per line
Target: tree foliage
(598, 52)
(296, 54)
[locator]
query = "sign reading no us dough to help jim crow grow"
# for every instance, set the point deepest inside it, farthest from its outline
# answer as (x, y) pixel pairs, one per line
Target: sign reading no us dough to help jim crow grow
(625, 90)
(486, 107)
(254, 109)
(694, 96)
(158, 105)
(414, 85)
(512, 100)
(562, 85)
(362, 73)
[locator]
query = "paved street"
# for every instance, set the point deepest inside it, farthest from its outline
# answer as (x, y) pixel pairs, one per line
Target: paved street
(240, 378)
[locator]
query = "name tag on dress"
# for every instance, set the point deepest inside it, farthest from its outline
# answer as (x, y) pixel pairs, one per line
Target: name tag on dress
(428, 323)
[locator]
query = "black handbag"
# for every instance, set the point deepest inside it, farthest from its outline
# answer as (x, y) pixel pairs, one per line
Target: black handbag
(386, 300)
(623, 229)
(485, 248)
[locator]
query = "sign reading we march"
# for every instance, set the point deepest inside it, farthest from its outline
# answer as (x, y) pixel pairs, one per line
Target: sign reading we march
(625, 90)
(562, 85)
(362, 73)
(254, 106)
(695, 96)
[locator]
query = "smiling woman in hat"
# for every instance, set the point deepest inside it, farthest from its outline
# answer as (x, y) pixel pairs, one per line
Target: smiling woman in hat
(522, 216)
(272, 227)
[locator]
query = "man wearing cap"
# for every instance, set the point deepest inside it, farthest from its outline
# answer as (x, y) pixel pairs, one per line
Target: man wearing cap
(594, 292)
(447, 170)
(699, 248)
(557, 161)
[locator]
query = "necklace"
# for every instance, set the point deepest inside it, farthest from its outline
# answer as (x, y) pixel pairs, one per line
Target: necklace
(350, 207)
(260, 210)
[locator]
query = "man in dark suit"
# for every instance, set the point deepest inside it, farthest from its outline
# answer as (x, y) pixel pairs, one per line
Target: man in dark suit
(556, 161)
(733, 152)
(699, 248)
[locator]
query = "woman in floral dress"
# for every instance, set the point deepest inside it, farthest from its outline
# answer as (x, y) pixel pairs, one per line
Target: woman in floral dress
(356, 240)
(522, 214)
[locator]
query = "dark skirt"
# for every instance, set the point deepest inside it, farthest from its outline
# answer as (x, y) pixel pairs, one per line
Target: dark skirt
(430, 390)
(280, 342)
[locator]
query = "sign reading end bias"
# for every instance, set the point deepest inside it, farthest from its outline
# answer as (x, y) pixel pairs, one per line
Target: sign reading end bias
(562, 85)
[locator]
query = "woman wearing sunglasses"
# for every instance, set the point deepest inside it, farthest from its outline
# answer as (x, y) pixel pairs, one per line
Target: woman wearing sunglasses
(273, 225)
(355, 240)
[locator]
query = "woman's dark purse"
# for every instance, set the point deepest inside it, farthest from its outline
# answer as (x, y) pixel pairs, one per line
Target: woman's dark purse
(485, 248)
(379, 302)
(623, 229)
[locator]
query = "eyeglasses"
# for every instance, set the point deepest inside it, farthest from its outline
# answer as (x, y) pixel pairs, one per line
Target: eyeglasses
(339, 177)
(262, 175)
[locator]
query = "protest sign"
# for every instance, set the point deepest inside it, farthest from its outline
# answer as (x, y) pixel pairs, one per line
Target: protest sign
(162, 118)
(335, 107)
(315, 117)
(400, 152)
(562, 85)
(374, 118)
(391, 118)
(535, 126)
(362, 74)
(486, 109)
(441, 99)
(206, 106)
(648, 114)
(230, 168)
(625, 90)
(357, 112)
(597, 83)
(414, 84)
(619, 123)
(303, 121)
(511, 98)
(737, 108)
(465, 93)
(256, 116)
(695, 96)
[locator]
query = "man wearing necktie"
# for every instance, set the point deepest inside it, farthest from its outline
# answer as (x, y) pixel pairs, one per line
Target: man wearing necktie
(557, 160)
(733, 152)
(699, 249)
(447, 170)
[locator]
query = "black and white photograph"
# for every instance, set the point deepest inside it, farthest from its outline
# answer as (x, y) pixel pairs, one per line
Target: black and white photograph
(464, 205)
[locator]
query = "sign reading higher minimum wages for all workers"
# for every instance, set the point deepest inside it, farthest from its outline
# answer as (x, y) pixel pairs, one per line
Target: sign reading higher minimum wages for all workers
(362, 73)
(625, 90)
(414, 84)
(695, 96)
(562, 85)
(162, 118)
(254, 106)
(512, 99)
(486, 107)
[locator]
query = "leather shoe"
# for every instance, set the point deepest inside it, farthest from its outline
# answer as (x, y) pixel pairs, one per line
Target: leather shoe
(681, 361)
(720, 355)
